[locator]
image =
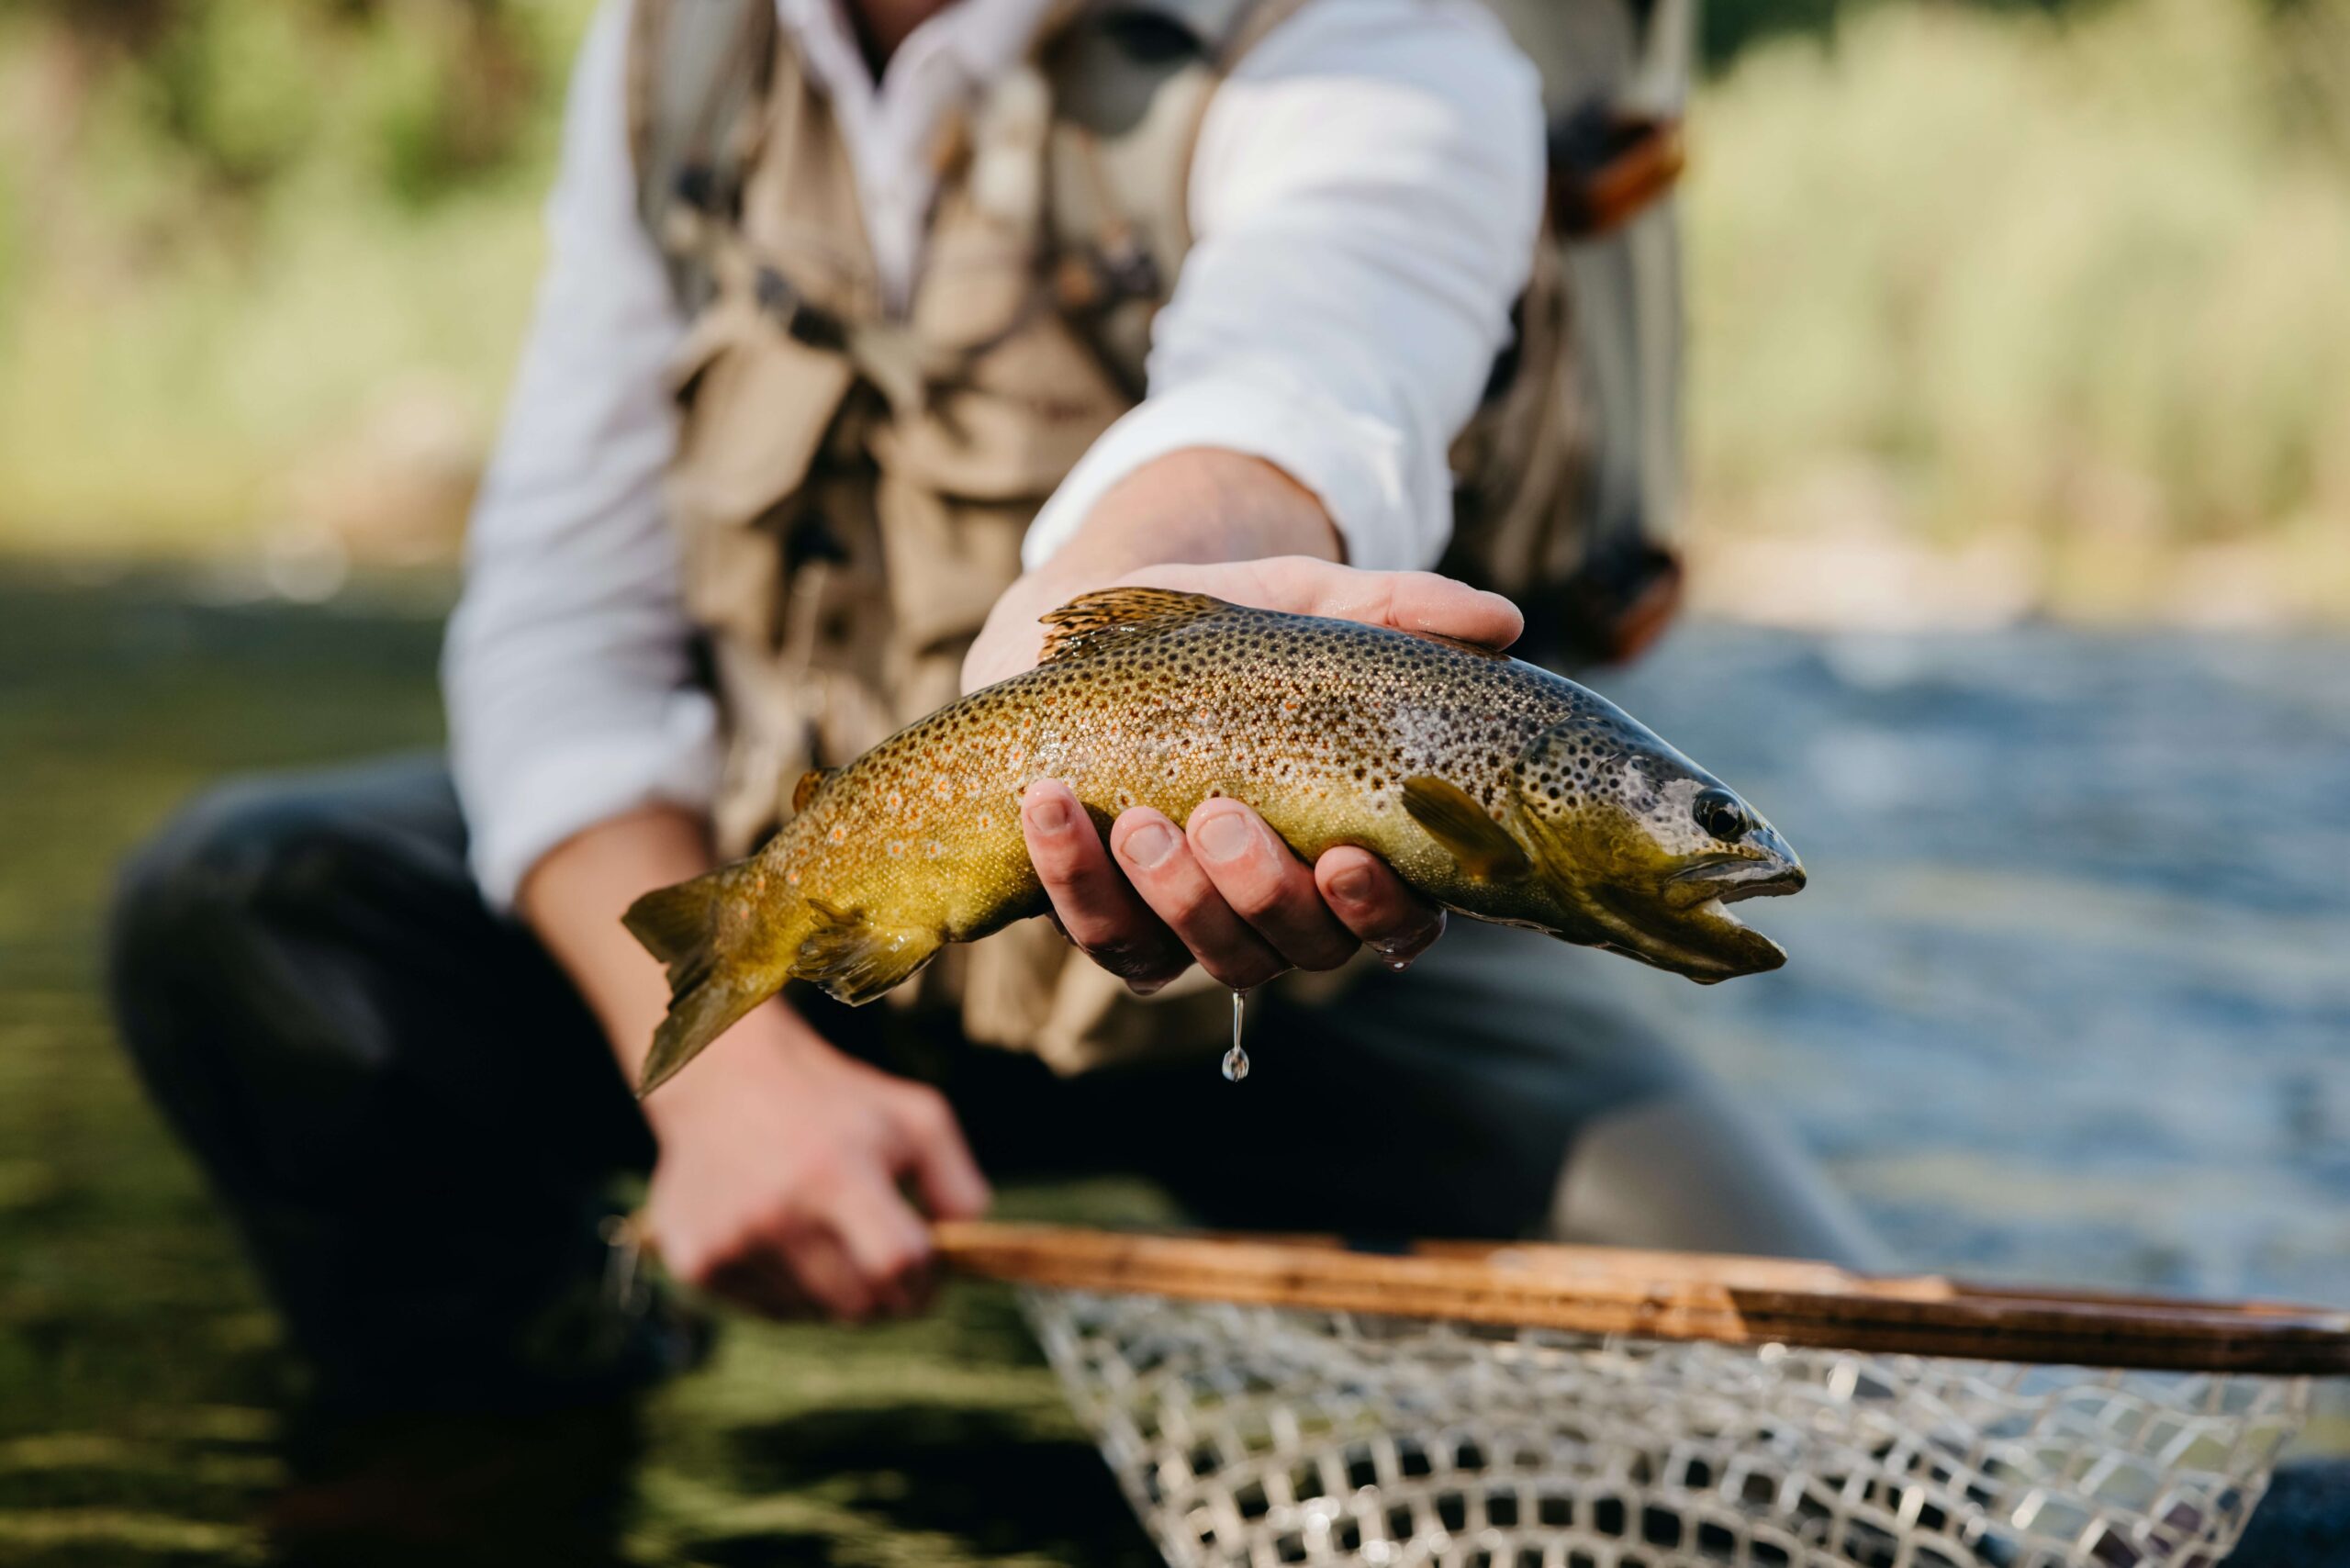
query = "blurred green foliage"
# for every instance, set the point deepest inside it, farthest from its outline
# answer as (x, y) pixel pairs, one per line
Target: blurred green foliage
(230, 230)
(424, 93)
(2074, 276)
(2014, 265)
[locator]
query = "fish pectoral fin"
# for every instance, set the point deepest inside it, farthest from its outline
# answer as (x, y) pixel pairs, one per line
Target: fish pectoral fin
(805, 791)
(1482, 846)
(855, 961)
(1092, 621)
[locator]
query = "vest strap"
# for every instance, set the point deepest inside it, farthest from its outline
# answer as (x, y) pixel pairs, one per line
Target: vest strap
(698, 73)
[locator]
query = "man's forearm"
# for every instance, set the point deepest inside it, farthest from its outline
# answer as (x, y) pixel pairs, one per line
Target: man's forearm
(1197, 506)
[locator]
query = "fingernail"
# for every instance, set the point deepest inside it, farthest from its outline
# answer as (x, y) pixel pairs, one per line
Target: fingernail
(1353, 884)
(1224, 836)
(1048, 813)
(1150, 845)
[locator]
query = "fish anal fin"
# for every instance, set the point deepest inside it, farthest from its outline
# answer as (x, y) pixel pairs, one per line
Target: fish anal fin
(805, 791)
(1093, 620)
(854, 960)
(1453, 819)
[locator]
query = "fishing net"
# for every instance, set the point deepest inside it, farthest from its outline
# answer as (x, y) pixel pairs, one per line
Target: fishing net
(1269, 1400)
(1257, 1436)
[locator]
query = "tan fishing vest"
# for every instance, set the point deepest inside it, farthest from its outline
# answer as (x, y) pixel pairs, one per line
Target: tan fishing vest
(852, 485)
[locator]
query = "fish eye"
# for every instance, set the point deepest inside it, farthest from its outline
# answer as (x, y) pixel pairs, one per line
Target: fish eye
(1721, 814)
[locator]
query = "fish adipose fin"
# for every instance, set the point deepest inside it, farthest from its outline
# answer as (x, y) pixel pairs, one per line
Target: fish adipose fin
(805, 791)
(678, 926)
(1482, 846)
(856, 961)
(1093, 621)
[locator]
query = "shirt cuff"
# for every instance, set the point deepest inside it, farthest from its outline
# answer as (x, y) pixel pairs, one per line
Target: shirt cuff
(568, 787)
(1354, 465)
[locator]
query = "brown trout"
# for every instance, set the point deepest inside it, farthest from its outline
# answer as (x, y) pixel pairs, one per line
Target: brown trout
(1495, 787)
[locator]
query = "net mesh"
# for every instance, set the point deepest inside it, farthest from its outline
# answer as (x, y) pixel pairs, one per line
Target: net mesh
(1257, 1436)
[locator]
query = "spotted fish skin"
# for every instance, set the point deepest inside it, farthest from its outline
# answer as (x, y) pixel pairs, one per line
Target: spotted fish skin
(1489, 784)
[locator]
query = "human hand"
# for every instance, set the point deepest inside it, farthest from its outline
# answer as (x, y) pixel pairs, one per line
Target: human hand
(1222, 889)
(777, 1186)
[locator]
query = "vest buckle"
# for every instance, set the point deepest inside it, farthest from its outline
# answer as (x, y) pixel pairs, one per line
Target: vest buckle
(802, 321)
(1608, 165)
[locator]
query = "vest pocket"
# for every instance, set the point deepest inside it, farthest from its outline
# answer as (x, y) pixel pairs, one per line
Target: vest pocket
(754, 406)
(1023, 408)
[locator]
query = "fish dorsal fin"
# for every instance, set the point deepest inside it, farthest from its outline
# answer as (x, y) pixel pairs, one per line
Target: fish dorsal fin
(805, 791)
(1460, 645)
(1482, 846)
(1095, 620)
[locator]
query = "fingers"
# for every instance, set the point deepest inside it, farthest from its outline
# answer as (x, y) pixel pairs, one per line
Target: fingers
(1164, 869)
(1376, 904)
(799, 1273)
(1224, 891)
(1095, 905)
(814, 1264)
(1423, 601)
(939, 1159)
(1300, 585)
(854, 1252)
(1266, 886)
(1415, 601)
(1243, 905)
(888, 1249)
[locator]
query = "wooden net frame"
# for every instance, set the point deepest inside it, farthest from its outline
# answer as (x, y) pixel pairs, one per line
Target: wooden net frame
(1291, 1401)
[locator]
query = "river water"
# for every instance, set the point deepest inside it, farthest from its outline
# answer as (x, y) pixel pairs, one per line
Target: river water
(2069, 992)
(2068, 1001)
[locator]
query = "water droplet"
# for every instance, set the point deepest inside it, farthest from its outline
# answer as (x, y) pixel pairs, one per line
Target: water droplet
(1235, 1060)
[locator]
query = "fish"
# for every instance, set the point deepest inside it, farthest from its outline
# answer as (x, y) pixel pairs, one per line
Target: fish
(1498, 789)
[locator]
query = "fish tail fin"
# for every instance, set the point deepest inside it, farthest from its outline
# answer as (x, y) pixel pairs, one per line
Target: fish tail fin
(680, 926)
(712, 984)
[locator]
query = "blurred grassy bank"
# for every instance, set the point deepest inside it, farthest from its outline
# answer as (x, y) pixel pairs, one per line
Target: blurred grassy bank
(1996, 311)
(1999, 311)
(263, 263)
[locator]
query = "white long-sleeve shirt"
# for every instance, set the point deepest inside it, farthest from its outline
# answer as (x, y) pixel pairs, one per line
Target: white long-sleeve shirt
(1364, 199)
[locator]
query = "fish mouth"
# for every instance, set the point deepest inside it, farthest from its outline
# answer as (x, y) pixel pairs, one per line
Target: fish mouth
(1690, 929)
(1730, 878)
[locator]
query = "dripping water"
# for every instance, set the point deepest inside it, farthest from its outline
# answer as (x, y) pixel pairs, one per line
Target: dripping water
(1396, 956)
(1235, 1060)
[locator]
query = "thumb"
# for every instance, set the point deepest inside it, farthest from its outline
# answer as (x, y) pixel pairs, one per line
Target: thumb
(1423, 601)
(1302, 585)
